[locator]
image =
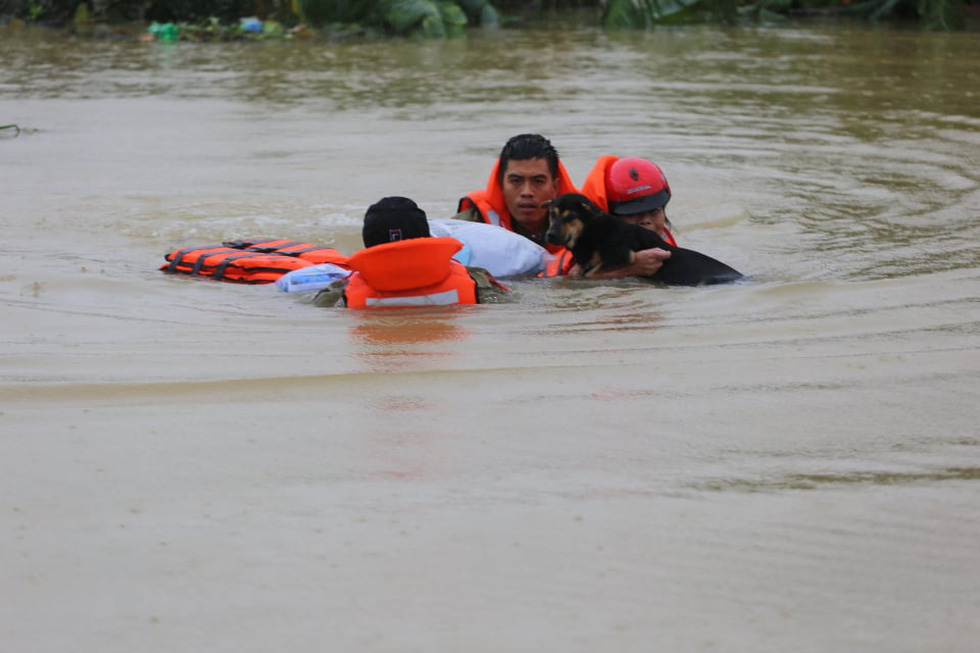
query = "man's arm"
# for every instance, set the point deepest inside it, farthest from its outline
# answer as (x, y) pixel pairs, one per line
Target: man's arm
(470, 215)
(647, 264)
(488, 289)
(332, 296)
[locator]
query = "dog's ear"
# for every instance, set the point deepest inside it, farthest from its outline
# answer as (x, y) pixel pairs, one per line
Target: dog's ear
(546, 204)
(590, 208)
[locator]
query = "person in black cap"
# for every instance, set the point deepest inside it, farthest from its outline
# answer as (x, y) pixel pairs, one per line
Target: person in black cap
(392, 219)
(403, 265)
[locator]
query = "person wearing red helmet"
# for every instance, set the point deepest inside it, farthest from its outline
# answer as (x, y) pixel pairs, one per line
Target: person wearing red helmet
(632, 189)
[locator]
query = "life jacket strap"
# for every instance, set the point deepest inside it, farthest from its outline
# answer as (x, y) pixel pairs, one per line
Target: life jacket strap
(265, 246)
(219, 271)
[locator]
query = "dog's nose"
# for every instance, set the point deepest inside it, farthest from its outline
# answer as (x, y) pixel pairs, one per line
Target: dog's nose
(553, 236)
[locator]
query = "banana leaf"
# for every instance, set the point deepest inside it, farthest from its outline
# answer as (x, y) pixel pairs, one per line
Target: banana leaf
(433, 19)
(407, 16)
(633, 14)
(453, 19)
(480, 12)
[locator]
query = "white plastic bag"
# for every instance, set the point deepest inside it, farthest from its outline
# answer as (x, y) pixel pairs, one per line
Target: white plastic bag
(313, 277)
(500, 252)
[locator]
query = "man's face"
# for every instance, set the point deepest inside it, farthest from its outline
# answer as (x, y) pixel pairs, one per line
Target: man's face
(655, 220)
(527, 185)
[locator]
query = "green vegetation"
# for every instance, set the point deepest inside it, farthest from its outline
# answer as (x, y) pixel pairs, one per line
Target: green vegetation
(932, 14)
(257, 19)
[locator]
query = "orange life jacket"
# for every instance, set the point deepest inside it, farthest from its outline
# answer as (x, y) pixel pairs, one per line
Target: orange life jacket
(595, 189)
(414, 272)
(315, 254)
(250, 261)
(492, 206)
(559, 265)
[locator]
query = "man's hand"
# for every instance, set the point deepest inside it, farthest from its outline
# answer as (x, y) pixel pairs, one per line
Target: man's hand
(648, 262)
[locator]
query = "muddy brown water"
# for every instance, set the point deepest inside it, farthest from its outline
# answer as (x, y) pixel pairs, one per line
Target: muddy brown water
(790, 463)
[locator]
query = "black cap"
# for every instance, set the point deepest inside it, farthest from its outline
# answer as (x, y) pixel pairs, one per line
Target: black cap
(391, 219)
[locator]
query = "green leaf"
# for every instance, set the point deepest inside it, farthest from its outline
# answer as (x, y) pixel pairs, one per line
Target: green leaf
(433, 19)
(405, 15)
(480, 12)
(453, 19)
(452, 14)
(432, 27)
(633, 14)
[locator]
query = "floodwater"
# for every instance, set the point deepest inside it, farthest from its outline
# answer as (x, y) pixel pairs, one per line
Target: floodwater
(787, 464)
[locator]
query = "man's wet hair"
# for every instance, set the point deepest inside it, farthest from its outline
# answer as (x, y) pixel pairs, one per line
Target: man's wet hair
(528, 146)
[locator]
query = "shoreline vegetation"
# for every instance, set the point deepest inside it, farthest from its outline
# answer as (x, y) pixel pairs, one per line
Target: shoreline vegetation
(229, 20)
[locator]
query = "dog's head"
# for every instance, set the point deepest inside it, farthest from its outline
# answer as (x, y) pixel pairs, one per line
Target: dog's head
(568, 216)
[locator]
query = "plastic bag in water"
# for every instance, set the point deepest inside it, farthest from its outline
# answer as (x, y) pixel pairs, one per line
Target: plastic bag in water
(314, 277)
(500, 252)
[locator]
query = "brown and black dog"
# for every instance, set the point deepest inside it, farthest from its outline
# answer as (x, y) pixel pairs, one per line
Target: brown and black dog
(601, 242)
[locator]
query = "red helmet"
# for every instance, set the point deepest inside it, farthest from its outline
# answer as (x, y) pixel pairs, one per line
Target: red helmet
(635, 185)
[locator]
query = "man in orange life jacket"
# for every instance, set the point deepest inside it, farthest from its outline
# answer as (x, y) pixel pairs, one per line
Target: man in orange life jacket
(527, 174)
(403, 265)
